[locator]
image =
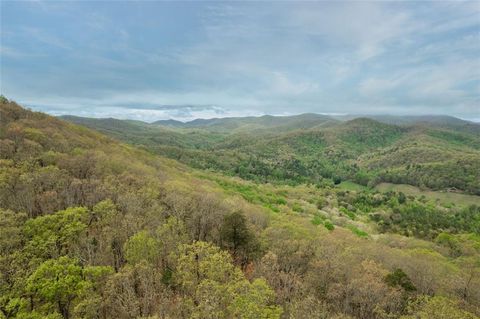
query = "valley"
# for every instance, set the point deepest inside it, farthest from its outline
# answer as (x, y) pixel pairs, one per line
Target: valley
(239, 159)
(92, 225)
(438, 153)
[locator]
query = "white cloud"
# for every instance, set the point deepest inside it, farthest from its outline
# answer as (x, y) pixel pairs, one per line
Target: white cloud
(281, 84)
(17, 54)
(273, 57)
(181, 113)
(44, 37)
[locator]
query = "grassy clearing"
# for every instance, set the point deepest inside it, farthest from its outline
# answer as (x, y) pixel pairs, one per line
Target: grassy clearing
(253, 193)
(351, 186)
(446, 198)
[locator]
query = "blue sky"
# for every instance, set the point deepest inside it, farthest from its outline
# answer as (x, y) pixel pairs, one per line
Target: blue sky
(183, 60)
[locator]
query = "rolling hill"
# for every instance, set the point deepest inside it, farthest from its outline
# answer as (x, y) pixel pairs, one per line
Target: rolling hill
(262, 123)
(436, 152)
(95, 228)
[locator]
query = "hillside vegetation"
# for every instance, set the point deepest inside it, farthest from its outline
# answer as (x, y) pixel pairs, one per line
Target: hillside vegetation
(94, 228)
(438, 153)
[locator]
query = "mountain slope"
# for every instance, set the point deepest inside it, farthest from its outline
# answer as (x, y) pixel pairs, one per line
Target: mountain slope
(76, 208)
(262, 123)
(141, 133)
(434, 152)
(91, 227)
(439, 121)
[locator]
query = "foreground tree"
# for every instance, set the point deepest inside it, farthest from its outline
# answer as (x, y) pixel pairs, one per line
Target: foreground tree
(55, 284)
(58, 234)
(213, 287)
(136, 291)
(237, 238)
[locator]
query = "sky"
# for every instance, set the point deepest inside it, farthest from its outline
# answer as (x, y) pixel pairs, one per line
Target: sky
(151, 60)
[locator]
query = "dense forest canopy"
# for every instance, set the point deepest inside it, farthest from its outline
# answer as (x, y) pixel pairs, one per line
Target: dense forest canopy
(436, 152)
(270, 227)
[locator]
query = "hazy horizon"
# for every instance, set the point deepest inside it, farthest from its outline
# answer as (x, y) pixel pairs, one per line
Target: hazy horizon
(341, 116)
(185, 60)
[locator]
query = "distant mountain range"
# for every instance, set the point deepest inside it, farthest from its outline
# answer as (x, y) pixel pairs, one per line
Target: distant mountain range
(306, 120)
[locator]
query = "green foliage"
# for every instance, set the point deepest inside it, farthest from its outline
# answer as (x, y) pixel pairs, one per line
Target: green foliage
(457, 138)
(437, 307)
(104, 210)
(358, 232)
(347, 212)
(57, 234)
(317, 153)
(217, 288)
(363, 178)
(328, 225)
(252, 194)
(168, 236)
(238, 238)
(401, 198)
(253, 300)
(317, 220)
(351, 186)
(94, 228)
(398, 278)
(142, 246)
(3, 99)
(11, 234)
(320, 203)
(296, 207)
(202, 261)
(450, 242)
(427, 221)
(57, 282)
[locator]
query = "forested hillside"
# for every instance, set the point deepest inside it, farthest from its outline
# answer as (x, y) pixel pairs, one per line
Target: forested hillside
(92, 228)
(239, 159)
(439, 153)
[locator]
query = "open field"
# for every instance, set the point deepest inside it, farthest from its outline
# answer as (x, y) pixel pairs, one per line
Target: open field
(351, 186)
(443, 197)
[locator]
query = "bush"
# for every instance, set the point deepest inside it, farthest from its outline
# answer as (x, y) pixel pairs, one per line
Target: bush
(358, 232)
(328, 225)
